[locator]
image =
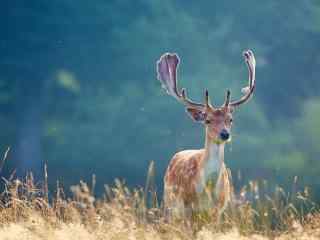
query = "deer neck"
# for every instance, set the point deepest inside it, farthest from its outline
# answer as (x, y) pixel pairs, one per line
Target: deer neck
(213, 157)
(212, 162)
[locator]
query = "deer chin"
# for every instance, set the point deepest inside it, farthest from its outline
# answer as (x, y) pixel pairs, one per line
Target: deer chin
(220, 141)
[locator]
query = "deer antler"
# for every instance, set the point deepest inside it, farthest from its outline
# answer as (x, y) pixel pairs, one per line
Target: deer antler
(167, 74)
(167, 68)
(248, 91)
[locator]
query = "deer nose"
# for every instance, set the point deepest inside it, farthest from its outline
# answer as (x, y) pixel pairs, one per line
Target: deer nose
(224, 134)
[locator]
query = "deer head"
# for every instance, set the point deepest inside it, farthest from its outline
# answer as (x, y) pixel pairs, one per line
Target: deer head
(217, 120)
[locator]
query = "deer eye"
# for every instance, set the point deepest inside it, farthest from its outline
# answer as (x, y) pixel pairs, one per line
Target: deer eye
(230, 120)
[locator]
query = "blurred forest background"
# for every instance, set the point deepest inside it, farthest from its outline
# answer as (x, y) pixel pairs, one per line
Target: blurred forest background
(78, 87)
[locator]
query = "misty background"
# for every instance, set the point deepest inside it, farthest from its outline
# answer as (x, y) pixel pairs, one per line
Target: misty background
(78, 86)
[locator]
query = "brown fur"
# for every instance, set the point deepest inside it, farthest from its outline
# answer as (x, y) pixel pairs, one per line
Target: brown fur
(183, 173)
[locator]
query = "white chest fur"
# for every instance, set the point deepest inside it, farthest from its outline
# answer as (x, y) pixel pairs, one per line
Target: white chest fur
(212, 165)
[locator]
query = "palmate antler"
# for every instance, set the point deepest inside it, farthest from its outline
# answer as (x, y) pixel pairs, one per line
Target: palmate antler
(167, 67)
(248, 91)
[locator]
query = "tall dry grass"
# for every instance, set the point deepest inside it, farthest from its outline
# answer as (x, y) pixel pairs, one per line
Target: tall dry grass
(29, 211)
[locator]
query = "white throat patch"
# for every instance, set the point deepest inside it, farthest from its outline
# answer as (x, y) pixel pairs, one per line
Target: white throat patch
(212, 166)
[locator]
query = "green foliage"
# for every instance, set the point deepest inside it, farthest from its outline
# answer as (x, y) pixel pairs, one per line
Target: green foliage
(88, 71)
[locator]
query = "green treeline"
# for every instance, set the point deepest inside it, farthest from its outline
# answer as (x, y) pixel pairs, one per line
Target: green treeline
(78, 87)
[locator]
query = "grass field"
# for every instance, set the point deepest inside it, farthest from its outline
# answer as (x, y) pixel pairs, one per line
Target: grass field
(27, 212)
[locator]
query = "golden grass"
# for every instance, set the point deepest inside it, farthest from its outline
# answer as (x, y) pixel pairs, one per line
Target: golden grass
(27, 212)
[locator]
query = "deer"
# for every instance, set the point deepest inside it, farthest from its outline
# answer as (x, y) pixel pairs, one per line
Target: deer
(189, 171)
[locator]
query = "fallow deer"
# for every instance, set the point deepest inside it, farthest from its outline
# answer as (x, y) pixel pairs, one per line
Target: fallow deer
(189, 171)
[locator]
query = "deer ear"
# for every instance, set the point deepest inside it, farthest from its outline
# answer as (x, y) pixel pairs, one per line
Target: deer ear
(196, 114)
